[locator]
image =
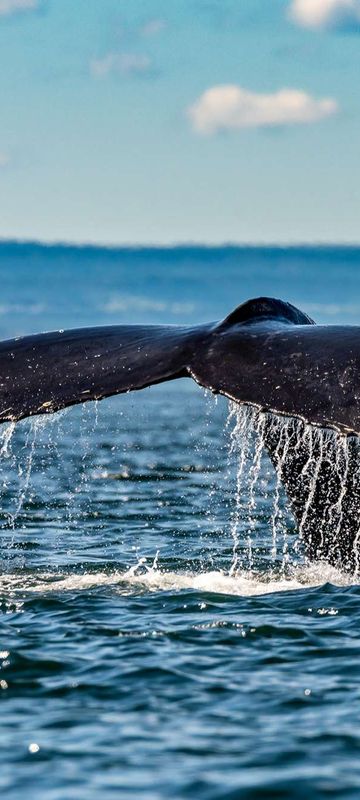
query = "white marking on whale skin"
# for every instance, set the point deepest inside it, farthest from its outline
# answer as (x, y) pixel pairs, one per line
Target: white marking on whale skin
(356, 551)
(5, 411)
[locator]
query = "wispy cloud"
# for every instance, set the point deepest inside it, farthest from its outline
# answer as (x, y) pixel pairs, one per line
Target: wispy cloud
(22, 308)
(152, 27)
(4, 160)
(230, 107)
(332, 309)
(326, 14)
(121, 63)
(9, 7)
(122, 303)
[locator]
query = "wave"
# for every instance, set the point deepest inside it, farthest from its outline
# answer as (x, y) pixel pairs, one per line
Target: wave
(243, 583)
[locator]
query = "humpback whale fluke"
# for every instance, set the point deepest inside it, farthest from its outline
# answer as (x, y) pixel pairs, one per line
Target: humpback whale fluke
(266, 353)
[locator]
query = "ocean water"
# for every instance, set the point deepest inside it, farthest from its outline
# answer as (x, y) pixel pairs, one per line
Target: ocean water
(161, 634)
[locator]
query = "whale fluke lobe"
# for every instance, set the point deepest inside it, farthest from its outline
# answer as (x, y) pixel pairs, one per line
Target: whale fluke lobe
(266, 353)
(47, 372)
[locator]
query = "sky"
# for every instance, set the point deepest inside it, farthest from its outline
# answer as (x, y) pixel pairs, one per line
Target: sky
(173, 121)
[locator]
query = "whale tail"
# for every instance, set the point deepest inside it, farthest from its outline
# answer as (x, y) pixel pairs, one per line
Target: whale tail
(266, 353)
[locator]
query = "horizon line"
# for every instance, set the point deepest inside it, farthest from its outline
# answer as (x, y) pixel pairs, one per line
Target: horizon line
(181, 245)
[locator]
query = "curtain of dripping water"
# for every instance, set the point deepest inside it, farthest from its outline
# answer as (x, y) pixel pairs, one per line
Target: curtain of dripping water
(5, 438)
(26, 448)
(240, 443)
(318, 439)
(5, 452)
(275, 516)
(286, 431)
(252, 433)
(258, 423)
(88, 423)
(25, 472)
(207, 555)
(342, 468)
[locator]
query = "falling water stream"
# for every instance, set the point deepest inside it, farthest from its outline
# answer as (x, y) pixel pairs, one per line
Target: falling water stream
(259, 501)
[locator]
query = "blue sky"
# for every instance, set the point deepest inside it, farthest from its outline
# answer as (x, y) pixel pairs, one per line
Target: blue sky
(180, 120)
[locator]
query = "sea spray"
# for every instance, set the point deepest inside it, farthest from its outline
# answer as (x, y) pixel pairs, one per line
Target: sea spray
(24, 472)
(317, 481)
(315, 476)
(280, 507)
(254, 473)
(241, 441)
(5, 438)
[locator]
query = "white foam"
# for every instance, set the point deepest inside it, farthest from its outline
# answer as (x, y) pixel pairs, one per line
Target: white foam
(243, 583)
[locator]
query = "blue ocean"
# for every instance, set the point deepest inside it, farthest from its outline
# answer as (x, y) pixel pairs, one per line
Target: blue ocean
(162, 635)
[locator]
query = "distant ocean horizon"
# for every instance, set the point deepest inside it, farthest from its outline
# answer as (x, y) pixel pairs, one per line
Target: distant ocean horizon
(185, 283)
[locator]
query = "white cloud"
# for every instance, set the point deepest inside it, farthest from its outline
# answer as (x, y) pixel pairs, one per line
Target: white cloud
(122, 63)
(326, 14)
(230, 107)
(153, 26)
(8, 7)
(4, 160)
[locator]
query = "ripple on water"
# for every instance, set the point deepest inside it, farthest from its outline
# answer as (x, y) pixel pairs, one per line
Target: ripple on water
(150, 649)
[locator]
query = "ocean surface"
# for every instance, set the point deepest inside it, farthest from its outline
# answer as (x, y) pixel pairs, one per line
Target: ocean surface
(161, 633)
